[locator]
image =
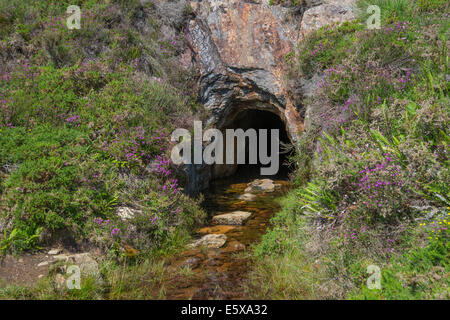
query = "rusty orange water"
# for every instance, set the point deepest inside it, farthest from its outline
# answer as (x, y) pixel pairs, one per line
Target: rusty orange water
(221, 273)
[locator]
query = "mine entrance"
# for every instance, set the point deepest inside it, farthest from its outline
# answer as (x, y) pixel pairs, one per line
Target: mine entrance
(259, 119)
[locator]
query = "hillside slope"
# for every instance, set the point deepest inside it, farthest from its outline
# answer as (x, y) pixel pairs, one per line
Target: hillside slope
(85, 118)
(373, 177)
(84, 122)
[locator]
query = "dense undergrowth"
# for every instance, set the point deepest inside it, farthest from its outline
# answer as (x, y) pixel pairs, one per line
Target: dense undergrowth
(373, 164)
(84, 122)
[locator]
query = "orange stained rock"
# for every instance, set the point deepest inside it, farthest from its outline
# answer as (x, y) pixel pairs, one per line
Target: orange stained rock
(216, 229)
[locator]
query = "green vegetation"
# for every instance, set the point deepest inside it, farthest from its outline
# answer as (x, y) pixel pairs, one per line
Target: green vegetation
(84, 123)
(375, 153)
(144, 279)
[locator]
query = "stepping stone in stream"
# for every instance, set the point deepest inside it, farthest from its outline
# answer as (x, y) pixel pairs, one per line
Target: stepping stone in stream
(247, 197)
(235, 218)
(210, 241)
(261, 185)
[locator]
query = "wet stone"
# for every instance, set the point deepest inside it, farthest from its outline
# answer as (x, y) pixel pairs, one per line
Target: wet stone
(261, 185)
(233, 218)
(247, 197)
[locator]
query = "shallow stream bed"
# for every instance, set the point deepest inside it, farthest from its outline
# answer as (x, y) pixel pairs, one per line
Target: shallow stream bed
(220, 273)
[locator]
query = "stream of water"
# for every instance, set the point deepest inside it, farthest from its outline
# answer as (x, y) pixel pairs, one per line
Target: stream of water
(221, 273)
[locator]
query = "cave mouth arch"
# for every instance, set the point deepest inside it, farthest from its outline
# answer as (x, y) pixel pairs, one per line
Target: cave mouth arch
(249, 118)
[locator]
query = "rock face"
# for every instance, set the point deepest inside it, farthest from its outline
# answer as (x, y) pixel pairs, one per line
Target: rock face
(329, 12)
(240, 47)
(210, 241)
(234, 218)
(247, 197)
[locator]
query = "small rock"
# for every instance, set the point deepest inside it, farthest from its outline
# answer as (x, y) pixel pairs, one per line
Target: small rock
(233, 218)
(327, 12)
(234, 246)
(60, 257)
(436, 277)
(53, 252)
(43, 264)
(247, 197)
(60, 281)
(264, 185)
(86, 263)
(210, 241)
(126, 213)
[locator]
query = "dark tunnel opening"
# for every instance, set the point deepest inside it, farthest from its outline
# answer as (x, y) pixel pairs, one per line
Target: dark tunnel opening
(259, 119)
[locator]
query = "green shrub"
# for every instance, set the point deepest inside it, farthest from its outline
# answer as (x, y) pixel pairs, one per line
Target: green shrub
(378, 148)
(84, 122)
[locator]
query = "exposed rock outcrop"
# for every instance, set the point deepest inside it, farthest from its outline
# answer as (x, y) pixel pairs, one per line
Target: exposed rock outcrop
(327, 12)
(247, 197)
(240, 48)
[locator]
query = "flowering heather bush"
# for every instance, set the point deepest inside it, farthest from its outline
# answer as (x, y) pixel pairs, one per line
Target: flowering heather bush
(84, 122)
(361, 66)
(377, 140)
(377, 185)
(138, 146)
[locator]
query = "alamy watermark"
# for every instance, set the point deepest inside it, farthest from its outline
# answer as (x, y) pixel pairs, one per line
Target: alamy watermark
(374, 20)
(374, 280)
(231, 149)
(74, 20)
(74, 280)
